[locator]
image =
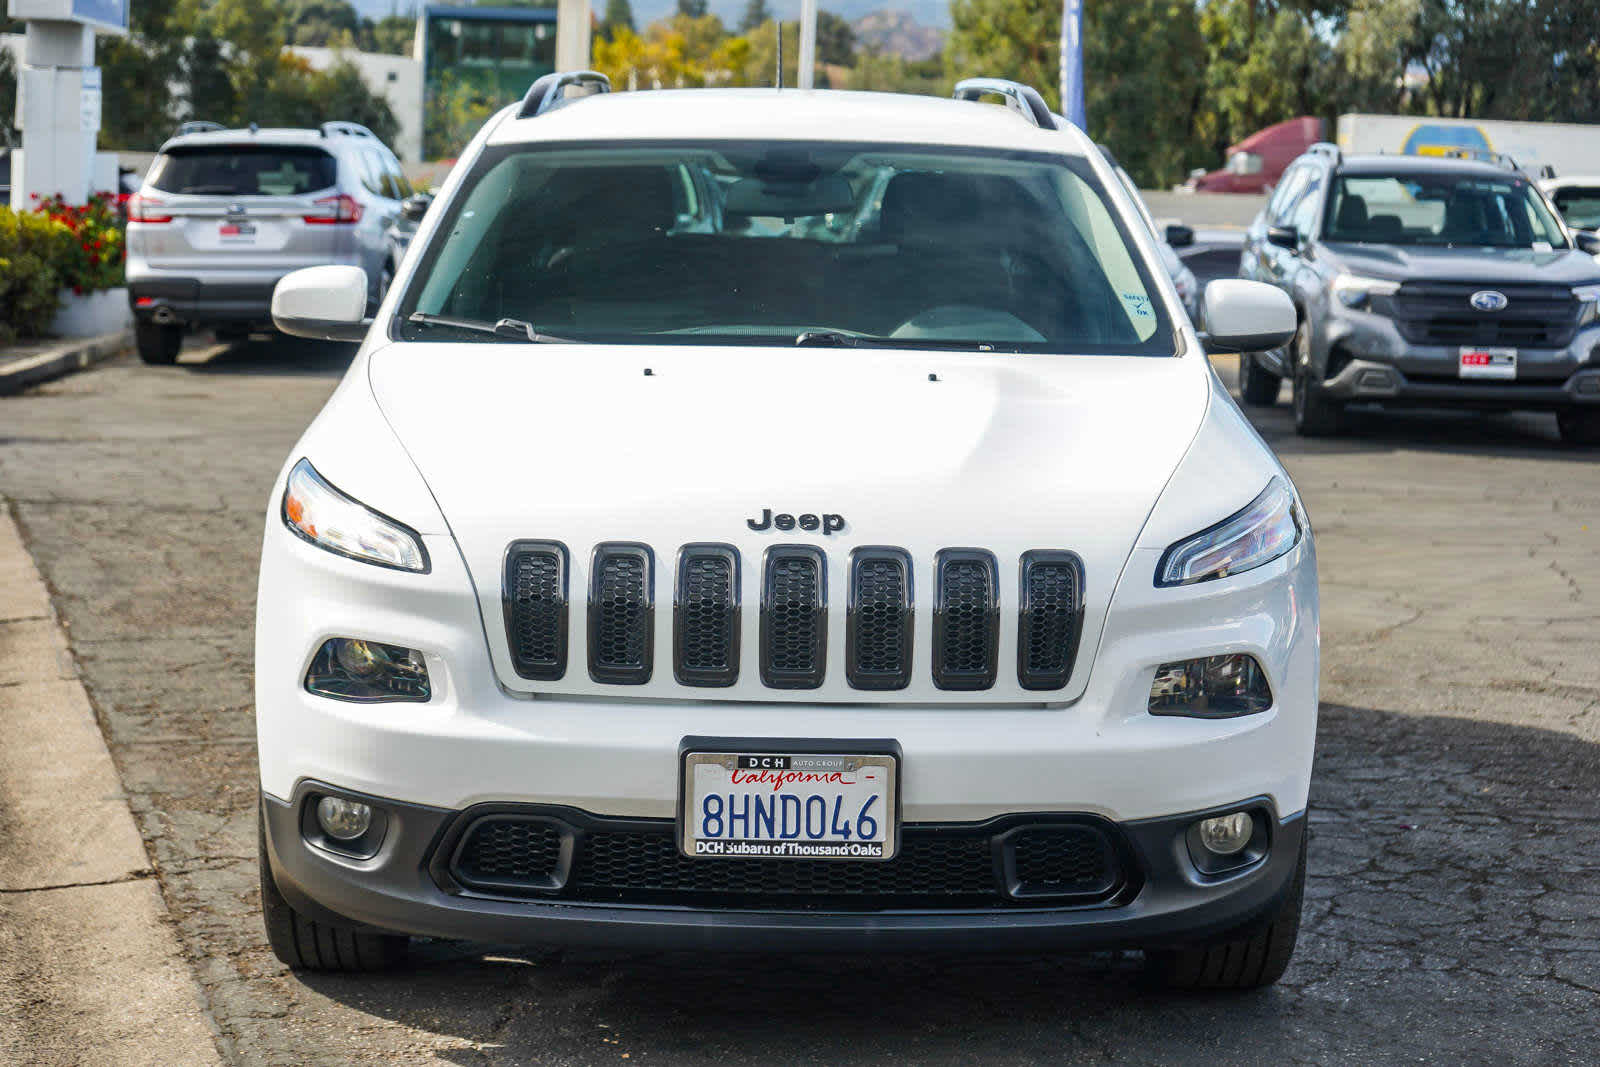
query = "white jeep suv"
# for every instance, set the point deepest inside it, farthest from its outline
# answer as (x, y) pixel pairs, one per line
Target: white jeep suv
(785, 520)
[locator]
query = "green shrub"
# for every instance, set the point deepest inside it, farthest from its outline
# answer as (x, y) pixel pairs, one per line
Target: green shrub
(33, 248)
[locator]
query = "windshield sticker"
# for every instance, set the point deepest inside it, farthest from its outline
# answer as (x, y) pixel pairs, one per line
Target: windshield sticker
(1138, 305)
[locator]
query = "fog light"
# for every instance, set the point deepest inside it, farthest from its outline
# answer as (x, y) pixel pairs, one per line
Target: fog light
(346, 668)
(343, 820)
(1226, 835)
(1213, 687)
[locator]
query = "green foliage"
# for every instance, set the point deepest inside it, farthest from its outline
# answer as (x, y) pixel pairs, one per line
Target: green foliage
(92, 256)
(31, 246)
(456, 110)
(756, 14)
(1145, 98)
(619, 15)
(394, 34)
(695, 9)
(836, 41)
(324, 23)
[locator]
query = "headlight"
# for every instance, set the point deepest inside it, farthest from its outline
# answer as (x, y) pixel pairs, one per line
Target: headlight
(328, 519)
(1266, 529)
(1589, 297)
(1355, 291)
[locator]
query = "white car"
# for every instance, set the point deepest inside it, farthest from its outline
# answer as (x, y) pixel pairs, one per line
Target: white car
(1576, 198)
(684, 563)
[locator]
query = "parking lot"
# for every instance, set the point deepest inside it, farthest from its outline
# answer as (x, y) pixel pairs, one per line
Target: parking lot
(1453, 912)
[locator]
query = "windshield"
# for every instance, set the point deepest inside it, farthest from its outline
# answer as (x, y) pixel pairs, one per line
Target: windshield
(243, 170)
(1579, 205)
(761, 243)
(1440, 209)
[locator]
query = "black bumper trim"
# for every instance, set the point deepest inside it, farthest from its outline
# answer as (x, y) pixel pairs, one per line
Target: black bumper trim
(193, 301)
(394, 891)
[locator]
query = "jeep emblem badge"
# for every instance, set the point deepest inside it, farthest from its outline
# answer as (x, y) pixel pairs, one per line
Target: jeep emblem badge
(1489, 300)
(829, 524)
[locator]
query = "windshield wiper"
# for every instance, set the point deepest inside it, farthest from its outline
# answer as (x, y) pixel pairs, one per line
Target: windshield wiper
(510, 329)
(836, 339)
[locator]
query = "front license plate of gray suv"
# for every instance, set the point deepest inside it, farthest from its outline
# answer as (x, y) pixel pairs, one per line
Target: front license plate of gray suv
(781, 805)
(1498, 363)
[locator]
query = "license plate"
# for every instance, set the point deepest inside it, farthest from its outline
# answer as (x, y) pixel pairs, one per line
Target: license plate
(1489, 363)
(237, 231)
(789, 805)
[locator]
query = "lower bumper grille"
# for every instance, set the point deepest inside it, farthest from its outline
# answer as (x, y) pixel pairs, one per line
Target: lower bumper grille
(1015, 861)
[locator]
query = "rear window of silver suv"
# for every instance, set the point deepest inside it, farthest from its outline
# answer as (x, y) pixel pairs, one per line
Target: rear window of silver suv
(243, 170)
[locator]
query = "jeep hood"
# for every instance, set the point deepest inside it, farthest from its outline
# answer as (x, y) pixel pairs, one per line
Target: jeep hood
(923, 450)
(1489, 266)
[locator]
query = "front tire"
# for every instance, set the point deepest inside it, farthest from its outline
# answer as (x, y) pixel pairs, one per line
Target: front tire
(1241, 961)
(158, 343)
(306, 945)
(1580, 427)
(1315, 415)
(1258, 387)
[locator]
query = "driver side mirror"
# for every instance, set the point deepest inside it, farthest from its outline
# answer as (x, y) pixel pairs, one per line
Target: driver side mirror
(1284, 237)
(1587, 241)
(1243, 316)
(326, 303)
(1179, 235)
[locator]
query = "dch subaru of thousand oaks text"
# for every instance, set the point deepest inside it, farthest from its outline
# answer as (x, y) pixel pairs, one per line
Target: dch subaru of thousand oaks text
(764, 519)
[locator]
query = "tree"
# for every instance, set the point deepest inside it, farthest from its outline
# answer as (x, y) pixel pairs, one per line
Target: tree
(756, 13)
(619, 15)
(695, 9)
(324, 23)
(394, 34)
(138, 74)
(836, 41)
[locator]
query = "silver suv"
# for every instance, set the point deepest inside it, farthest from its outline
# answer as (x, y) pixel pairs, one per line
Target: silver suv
(223, 214)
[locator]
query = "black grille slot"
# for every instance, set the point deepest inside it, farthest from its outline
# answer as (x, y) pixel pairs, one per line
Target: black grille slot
(1068, 860)
(794, 615)
(621, 613)
(878, 619)
(1441, 313)
(705, 629)
(1049, 618)
(595, 860)
(534, 600)
(966, 619)
(512, 852)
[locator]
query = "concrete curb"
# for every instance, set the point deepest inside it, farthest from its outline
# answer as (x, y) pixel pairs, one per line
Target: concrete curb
(90, 967)
(66, 358)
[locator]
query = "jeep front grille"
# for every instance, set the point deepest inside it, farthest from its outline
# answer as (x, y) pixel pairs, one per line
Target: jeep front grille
(966, 619)
(621, 613)
(794, 618)
(536, 608)
(705, 621)
(968, 593)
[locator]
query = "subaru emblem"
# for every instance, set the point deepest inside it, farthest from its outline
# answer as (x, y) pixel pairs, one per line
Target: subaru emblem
(1489, 300)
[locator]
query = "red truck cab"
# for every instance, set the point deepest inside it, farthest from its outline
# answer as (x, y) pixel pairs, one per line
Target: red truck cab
(1255, 164)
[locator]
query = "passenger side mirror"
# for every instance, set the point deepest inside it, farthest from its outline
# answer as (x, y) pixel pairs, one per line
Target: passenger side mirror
(1284, 237)
(1179, 235)
(1243, 316)
(327, 303)
(1587, 241)
(412, 208)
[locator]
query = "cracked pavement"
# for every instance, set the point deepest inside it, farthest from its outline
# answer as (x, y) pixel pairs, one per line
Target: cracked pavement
(1453, 909)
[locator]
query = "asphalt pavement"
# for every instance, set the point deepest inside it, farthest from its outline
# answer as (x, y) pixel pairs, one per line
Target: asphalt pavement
(1453, 910)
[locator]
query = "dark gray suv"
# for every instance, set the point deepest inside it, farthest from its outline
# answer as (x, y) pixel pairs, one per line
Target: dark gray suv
(1428, 282)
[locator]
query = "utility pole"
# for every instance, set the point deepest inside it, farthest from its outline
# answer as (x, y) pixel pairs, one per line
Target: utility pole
(808, 43)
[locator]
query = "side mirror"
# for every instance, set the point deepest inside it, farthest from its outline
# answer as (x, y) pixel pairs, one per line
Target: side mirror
(1284, 237)
(1243, 316)
(1179, 235)
(1587, 241)
(326, 303)
(412, 208)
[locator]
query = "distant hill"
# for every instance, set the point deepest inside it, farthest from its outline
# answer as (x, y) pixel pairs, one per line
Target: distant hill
(897, 33)
(930, 13)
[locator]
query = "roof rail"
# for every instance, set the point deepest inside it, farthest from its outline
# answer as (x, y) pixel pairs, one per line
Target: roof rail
(347, 129)
(551, 91)
(1023, 99)
(198, 126)
(1326, 148)
(1481, 155)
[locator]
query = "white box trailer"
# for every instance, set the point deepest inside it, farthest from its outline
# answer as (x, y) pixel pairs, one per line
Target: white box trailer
(1568, 148)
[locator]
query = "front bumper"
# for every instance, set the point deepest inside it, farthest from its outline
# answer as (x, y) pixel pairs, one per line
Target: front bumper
(1167, 902)
(1370, 361)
